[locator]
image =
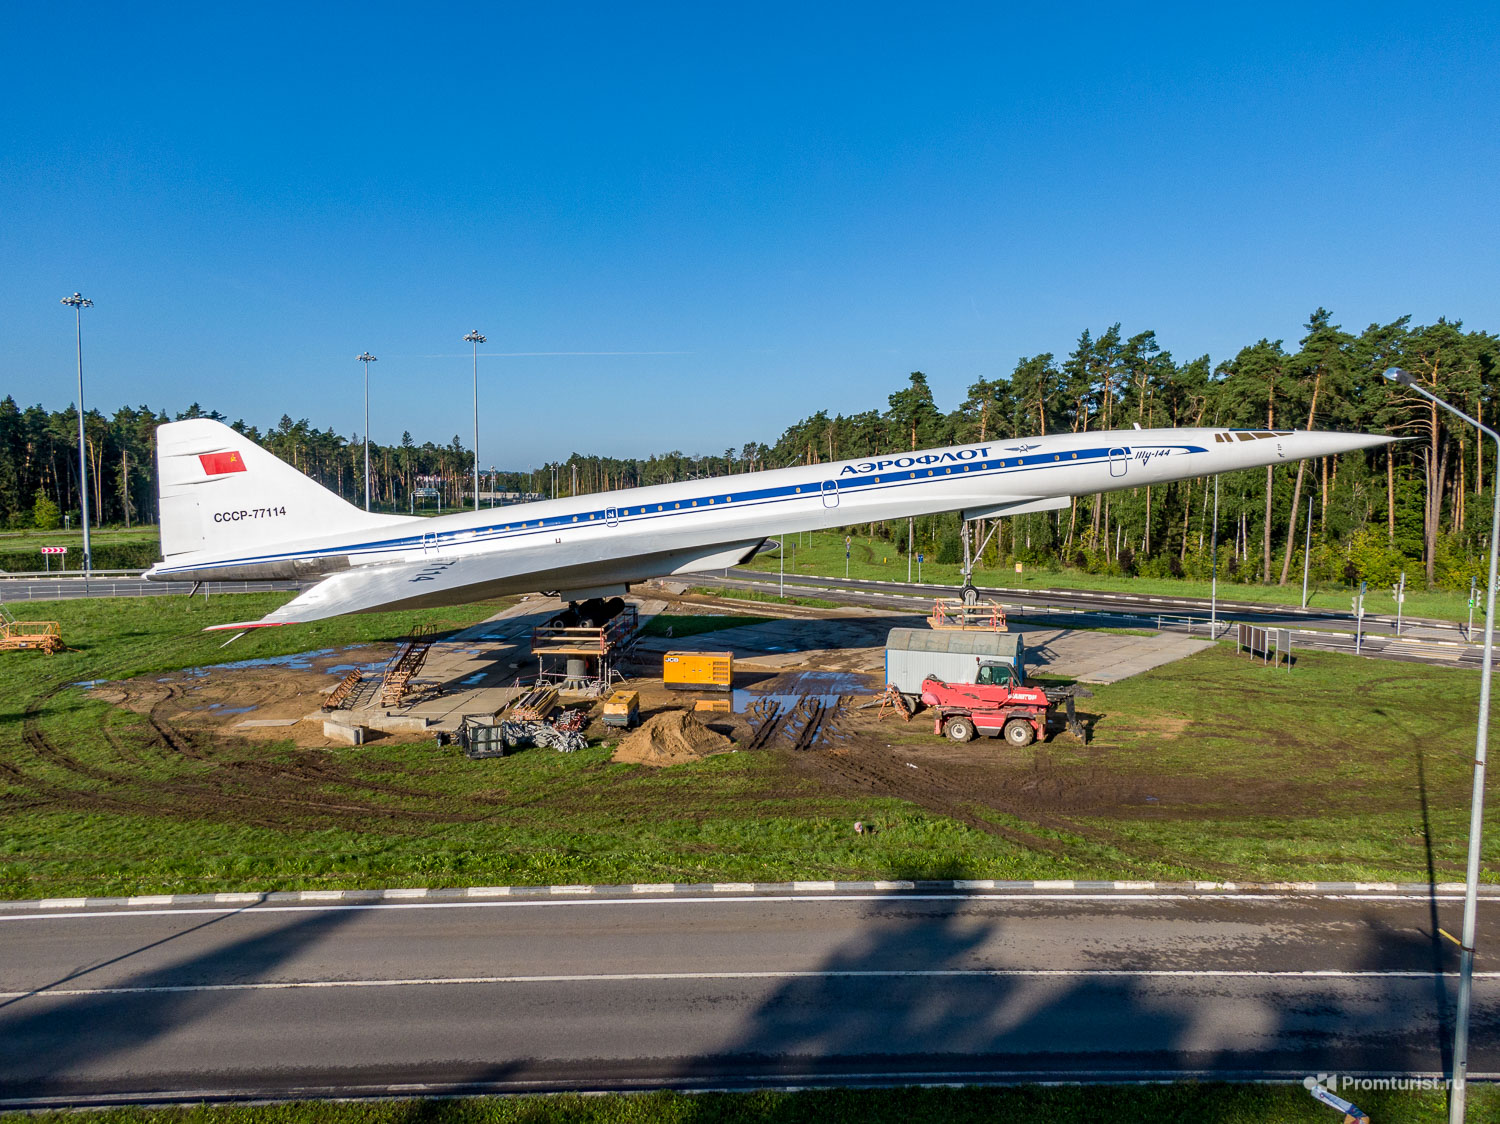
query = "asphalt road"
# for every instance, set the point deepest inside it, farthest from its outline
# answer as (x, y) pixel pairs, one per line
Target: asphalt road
(725, 991)
(1420, 641)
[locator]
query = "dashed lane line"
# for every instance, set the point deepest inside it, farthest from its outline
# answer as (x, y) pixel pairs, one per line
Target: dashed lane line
(1319, 974)
(744, 898)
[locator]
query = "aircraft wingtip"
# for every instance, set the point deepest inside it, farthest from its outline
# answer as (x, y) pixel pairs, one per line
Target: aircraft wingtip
(244, 625)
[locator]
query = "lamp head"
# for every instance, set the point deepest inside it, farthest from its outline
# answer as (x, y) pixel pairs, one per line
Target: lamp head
(78, 300)
(1397, 375)
(365, 358)
(475, 337)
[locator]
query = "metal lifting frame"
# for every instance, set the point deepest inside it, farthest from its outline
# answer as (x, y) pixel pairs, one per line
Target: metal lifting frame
(968, 568)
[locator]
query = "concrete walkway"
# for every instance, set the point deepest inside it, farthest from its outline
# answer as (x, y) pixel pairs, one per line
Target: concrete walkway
(1090, 656)
(857, 643)
(477, 671)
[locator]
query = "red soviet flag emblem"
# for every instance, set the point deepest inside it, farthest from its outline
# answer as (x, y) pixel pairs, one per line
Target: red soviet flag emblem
(216, 464)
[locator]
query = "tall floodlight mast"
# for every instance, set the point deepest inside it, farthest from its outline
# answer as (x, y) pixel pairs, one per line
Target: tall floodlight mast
(367, 359)
(1458, 1089)
(78, 302)
(476, 339)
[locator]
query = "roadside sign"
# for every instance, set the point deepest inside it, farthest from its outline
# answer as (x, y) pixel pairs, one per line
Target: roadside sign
(54, 550)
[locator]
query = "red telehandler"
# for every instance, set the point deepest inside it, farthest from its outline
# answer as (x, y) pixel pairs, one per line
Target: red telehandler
(998, 704)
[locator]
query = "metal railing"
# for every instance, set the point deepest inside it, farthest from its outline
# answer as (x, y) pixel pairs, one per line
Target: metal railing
(37, 589)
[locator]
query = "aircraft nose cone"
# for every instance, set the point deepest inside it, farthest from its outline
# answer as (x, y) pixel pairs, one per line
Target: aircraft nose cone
(1317, 443)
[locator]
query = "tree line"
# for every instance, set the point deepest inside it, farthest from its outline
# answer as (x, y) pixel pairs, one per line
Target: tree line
(1421, 505)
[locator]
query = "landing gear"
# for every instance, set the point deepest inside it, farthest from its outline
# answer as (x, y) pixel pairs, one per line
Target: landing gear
(969, 593)
(594, 613)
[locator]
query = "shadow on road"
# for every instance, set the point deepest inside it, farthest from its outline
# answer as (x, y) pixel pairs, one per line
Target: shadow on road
(860, 1021)
(49, 1037)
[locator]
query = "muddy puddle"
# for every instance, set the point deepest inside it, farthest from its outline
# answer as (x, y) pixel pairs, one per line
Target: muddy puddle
(788, 689)
(296, 661)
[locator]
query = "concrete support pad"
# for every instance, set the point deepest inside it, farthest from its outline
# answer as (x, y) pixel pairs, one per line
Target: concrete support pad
(399, 723)
(339, 732)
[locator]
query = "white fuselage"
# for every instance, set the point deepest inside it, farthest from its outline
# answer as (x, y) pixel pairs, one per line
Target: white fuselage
(587, 543)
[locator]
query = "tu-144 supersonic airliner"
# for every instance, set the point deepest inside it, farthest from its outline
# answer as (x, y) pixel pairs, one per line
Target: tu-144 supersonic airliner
(231, 511)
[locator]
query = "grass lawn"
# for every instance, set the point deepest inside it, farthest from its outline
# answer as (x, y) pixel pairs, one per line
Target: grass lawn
(1214, 767)
(821, 554)
(1219, 1103)
(766, 598)
(679, 625)
(73, 539)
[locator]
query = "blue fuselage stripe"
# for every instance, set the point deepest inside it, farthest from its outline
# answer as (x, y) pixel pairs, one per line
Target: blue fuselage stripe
(864, 483)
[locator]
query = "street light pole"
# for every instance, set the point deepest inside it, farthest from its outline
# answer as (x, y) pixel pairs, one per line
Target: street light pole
(1458, 1091)
(1213, 604)
(367, 359)
(476, 339)
(78, 302)
(1306, 551)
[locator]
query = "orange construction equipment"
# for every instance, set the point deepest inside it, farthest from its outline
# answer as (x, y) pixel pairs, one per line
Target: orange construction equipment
(29, 636)
(698, 671)
(982, 616)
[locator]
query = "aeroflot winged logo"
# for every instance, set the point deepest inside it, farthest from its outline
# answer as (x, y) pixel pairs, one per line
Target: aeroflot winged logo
(216, 464)
(913, 462)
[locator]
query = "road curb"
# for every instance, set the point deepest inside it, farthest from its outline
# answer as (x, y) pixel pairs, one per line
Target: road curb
(411, 895)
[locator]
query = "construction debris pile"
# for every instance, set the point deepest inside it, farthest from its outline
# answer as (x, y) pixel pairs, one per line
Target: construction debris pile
(520, 735)
(671, 738)
(563, 733)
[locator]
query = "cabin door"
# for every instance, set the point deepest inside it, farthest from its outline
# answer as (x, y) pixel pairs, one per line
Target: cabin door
(830, 493)
(1119, 461)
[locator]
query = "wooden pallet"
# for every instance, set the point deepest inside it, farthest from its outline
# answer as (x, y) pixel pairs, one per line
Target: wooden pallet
(533, 706)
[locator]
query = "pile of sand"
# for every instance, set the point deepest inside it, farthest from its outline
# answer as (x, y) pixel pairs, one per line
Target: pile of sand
(670, 738)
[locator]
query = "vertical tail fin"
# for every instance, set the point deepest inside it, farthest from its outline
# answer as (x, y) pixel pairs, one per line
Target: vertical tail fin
(221, 493)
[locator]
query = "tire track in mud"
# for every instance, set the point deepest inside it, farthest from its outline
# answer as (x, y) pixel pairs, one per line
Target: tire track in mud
(45, 750)
(246, 788)
(268, 780)
(960, 797)
(930, 792)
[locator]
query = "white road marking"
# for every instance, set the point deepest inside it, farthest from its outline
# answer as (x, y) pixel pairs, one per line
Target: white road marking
(669, 977)
(994, 898)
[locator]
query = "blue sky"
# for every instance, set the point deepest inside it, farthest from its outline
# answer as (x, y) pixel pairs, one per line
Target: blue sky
(685, 226)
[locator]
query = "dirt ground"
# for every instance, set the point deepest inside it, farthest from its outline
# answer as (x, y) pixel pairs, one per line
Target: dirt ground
(220, 715)
(272, 700)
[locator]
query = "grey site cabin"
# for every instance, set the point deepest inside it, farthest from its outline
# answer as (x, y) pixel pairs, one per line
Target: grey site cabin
(952, 655)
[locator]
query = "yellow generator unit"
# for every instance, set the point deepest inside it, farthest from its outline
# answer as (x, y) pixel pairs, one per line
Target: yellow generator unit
(623, 708)
(698, 671)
